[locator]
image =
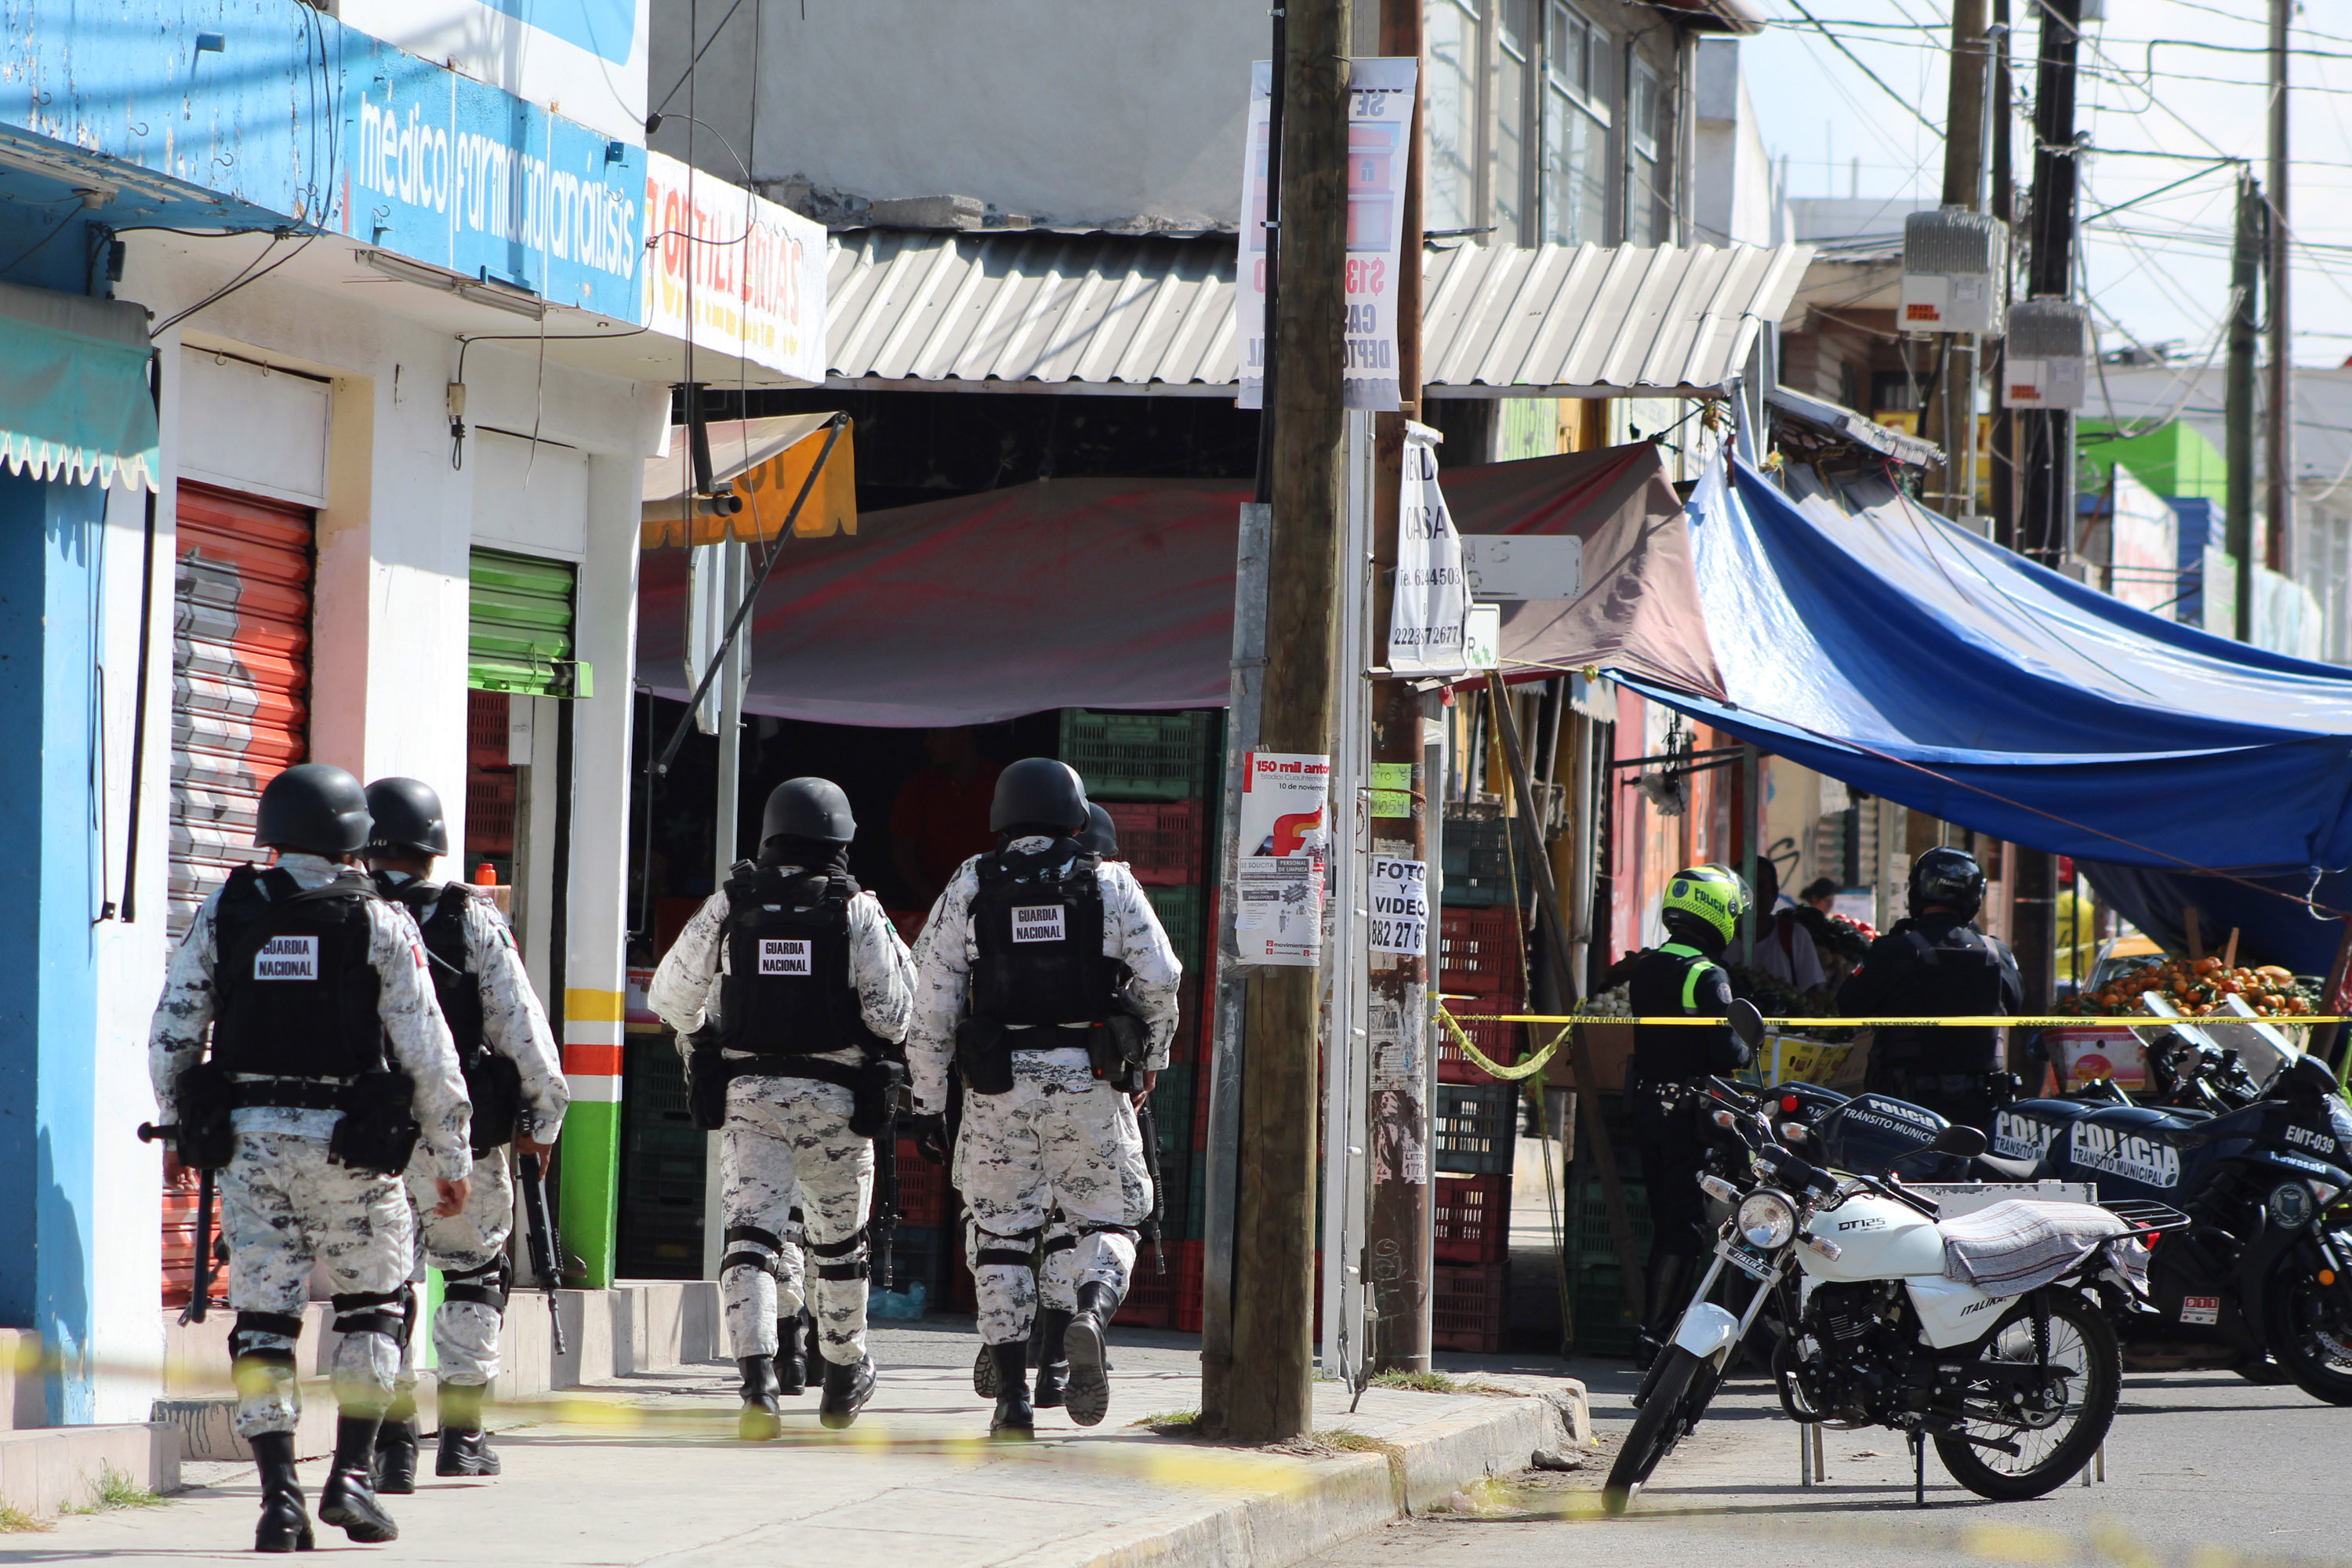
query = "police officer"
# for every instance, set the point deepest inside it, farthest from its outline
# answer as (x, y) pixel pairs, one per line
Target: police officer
(809, 988)
(1685, 978)
(1045, 977)
(515, 1080)
(1937, 965)
(316, 997)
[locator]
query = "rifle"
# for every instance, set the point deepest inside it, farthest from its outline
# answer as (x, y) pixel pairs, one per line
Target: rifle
(200, 1290)
(540, 1238)
(1148, 1123)
(885, 1227)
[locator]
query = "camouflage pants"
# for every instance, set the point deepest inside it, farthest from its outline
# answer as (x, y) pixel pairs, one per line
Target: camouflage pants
(465, 1333)
(786, 1146)
(1057, 1140)
(284, 1206)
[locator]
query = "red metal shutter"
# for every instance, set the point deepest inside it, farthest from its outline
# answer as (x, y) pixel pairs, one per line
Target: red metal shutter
(240, 714)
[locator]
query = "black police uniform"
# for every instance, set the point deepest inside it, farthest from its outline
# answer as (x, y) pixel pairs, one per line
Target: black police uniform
(1682, 980)
(1937, 965)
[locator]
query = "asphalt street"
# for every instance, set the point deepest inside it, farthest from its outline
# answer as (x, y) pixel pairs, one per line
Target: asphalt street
(2203, 1470)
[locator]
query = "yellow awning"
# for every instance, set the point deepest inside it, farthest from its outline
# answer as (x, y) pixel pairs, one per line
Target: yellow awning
(767, 460)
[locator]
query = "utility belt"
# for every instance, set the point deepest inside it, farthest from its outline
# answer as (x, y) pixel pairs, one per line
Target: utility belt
(873, 1084)
(1117, 1049)
(377, 1131)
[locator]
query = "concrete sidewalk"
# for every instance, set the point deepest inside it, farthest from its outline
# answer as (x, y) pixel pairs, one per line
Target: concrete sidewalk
(646, 1468)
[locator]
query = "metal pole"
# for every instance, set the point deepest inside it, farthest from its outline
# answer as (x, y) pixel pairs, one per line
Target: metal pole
(2237, 408)
(726, 832)
(1963, 187)
(2278, 434)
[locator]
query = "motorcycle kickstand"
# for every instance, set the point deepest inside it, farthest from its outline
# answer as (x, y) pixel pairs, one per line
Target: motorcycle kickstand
(1918, 1468)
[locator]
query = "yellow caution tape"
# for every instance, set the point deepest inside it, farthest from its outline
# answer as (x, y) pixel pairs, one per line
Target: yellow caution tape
(1493, 1069)
(1985, 1021)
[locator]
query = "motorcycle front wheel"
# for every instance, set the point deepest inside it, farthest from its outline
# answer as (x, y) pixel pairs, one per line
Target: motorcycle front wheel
(1680, 1386)
(2311, 1339)
(2054, 1444)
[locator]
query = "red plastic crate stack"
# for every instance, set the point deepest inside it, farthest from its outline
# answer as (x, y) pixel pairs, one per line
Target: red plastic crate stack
(1469, 1307)
(1152, 1298)
(1479, 953)
(922, 1188)
(1504, 1043)
(1160, 841)
(1471, 1219)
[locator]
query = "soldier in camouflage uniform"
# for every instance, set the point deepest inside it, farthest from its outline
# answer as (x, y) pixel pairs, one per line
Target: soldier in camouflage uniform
(807, 987)
(306, 982)
(515, 1082)
(1044, 975)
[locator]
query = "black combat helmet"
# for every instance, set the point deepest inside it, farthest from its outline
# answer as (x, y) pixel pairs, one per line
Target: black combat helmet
(313, 808)
(808, 808)
(1101, 838)
(1038, 792)
(1947, 878)
(407, 818)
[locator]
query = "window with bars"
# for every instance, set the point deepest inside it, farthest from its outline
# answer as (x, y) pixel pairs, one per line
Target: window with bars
(1451, 112)
(1514, 60)
(1575, 192)
(1643, 197)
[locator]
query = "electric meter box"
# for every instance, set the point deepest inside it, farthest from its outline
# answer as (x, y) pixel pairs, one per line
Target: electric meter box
(2049, 355)
(1955, 268)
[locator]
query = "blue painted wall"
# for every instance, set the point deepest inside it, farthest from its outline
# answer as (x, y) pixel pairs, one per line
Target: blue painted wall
(48, 900)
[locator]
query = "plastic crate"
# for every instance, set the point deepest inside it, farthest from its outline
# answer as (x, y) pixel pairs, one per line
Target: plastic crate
(1484, 862)
(922, 1188)
(916, 1252)
(1161, 843)
(1602, 1318)
(1141, 756)
(1470, 1218)
(489, 814)
(1151, 1297)
(1588, 1238)
(1479, 952)
(1176, 1198)
(1473, 1128)
(1504, 1043)
(1189, 1288)
(486, 723)
(1469, 1308)
(1174, 1104)
(1180, 915)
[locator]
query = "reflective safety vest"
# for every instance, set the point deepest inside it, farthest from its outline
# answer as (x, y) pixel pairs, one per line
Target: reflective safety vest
(785, 987)
(1037, 927)
(297, 994)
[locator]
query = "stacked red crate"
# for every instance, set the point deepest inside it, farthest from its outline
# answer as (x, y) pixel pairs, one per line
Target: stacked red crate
(1470, 1219)
(1469, 1308)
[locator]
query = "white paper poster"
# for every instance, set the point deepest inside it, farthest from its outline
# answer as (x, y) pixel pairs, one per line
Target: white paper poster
(1400, 893)
(1380, 121)
(1433, 598)
(1284, 842)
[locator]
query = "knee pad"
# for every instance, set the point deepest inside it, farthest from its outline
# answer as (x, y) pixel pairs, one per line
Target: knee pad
(842, 1259)
(739, 1257)
(249, 1325)
(483, 1287)
(1018, 1250)
(386, 1312)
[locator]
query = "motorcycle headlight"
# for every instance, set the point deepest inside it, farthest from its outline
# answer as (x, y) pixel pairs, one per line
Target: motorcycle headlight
(2339, 1121)
(1768, 1220)
(2290, 1206)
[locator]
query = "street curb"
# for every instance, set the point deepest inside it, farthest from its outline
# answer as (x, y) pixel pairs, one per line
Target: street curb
(1326, 1501)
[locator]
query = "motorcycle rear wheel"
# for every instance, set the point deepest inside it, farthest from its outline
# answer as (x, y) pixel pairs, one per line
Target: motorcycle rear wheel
(1663, 1419)
(2318, 1361)
(2081, 1338)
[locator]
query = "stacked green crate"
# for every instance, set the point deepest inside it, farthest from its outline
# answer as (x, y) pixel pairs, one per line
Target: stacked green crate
(662, 1164)
(1603, 1317)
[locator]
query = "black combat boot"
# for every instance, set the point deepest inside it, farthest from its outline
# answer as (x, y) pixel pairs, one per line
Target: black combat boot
(847, 1388)
(792, 1369)
(395, 1472)
(1088, 1394)
(983, 1370)
(349, 1500)
(285, 1523)
(464, 1447)
(762, 1420)
(1053, 1357)
(1013, 1418)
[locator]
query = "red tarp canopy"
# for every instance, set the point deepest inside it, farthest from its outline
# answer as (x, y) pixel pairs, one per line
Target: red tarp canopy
(1119, 593)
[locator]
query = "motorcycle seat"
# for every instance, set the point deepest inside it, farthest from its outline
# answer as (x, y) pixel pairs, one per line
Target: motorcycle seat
(1997, 1168)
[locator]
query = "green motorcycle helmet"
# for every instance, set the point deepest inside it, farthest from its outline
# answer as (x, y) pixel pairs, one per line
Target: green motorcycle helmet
(1711, 900)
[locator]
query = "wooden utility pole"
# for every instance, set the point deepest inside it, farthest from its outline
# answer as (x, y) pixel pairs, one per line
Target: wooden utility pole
(1397, 1239)
(2278, 434)
(1268, 1395)
(2238, 405)
(1964, 129)
(2003, 205)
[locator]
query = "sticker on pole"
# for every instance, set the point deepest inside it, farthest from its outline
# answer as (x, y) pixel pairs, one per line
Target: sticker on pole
(1400, 894)
(1284, 842)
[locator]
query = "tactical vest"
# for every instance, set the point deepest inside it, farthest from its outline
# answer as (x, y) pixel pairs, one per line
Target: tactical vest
(440, 911)
(1665, 984)
(785, 987)
(1959, 978)
(297, 994)
(1037, 924)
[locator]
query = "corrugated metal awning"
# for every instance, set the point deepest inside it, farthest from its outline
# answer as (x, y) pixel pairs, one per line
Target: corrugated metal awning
(1014, 309)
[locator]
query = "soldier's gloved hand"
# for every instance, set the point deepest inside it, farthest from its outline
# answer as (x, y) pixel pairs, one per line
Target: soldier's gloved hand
(1151, 1082)
(930, 1136)
(453, 1197)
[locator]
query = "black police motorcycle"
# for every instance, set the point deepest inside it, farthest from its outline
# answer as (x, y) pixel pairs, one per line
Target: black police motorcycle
(2263, 1272)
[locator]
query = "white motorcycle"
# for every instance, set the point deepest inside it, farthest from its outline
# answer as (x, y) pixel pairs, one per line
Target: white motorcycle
(2015, 1384)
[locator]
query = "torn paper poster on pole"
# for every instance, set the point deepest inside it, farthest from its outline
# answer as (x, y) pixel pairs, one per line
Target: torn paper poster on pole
(1400, 893)
(1380, 125)
(1285, 843)
(1432, 604)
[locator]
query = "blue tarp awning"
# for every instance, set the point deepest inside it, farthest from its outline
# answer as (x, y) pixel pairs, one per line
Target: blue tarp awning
(1873, 641)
